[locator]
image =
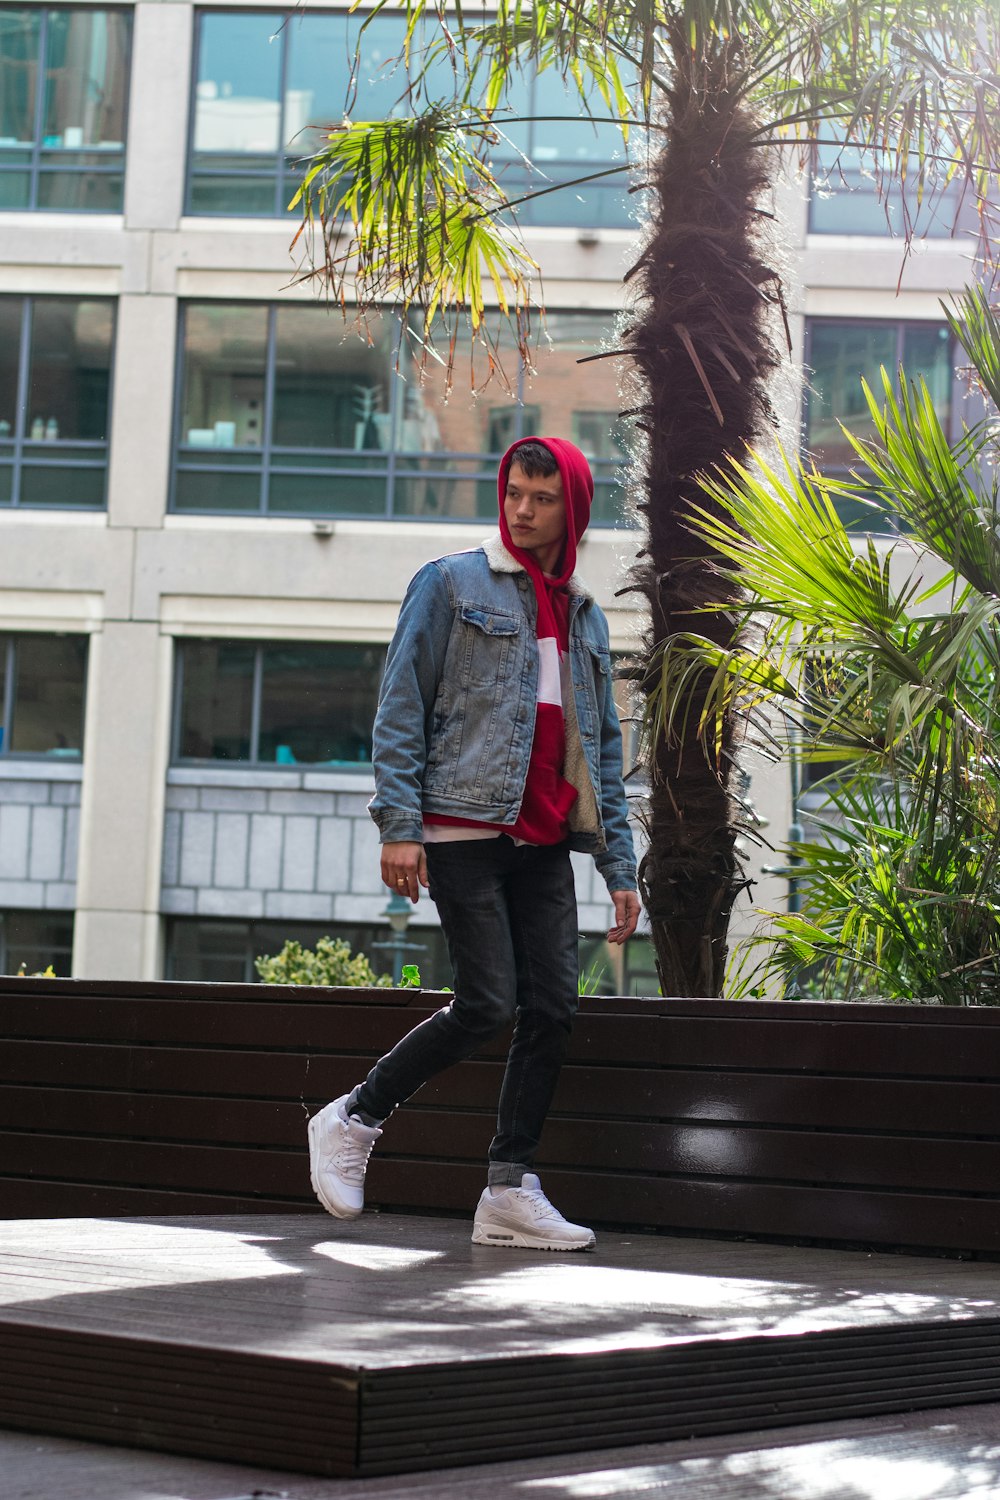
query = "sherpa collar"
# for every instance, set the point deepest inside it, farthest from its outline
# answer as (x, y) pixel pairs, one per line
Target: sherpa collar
(502, 561)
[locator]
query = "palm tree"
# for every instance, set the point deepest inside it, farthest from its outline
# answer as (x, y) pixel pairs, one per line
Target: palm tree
(885, 661)
(706, 93)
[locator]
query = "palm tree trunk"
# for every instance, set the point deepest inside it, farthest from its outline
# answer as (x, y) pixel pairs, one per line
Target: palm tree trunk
(703, 354)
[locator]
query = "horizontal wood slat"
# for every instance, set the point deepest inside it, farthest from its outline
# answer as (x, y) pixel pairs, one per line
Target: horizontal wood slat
(661, 1150)
(34, 1198)
(864, 1124)
(178, 991)
(822, 1105)
(833, 1047)
(741, 1041)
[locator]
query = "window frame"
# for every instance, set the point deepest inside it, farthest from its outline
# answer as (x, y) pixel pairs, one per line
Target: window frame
(37, 167)
(281, 158)
(253, 762)
(395, 461)
(20, 437)
(8, 646)
(286, 179)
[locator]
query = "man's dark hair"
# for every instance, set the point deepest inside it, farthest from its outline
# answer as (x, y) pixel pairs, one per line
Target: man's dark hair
(537, 461)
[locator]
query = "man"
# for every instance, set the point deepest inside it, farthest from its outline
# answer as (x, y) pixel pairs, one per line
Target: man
(496, 750)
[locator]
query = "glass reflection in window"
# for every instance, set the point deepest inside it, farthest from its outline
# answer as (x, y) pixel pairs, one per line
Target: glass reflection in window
(65, 149)
(225, 353)
(11, 310)
(844, 199)
(20, 37)
(237, 110)
(318, 703)
(216, 700)
(69, 370)
(331, 388)
(345, 434)
(841, 353)
(294, 703)
(42, 694)
(55, 382)
(580, 401)
(269, 83)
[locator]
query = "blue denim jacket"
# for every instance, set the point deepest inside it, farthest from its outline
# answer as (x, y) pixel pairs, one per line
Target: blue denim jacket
(456, 713)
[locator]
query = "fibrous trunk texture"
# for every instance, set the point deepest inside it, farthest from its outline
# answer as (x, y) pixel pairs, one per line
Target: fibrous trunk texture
(703, 355)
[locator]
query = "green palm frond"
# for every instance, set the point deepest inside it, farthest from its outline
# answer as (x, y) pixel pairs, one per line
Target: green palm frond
(584, 57)
(690, 674)
(593, 43)
(783, 538)
(403, 210)
(936, 487)
(976, 326)
(892, 907)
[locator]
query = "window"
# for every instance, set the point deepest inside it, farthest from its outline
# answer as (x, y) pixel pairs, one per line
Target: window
(55, 380)
(42, 690)
(282, 704)
(844, 199)
(562, 150)
(223, 951)
(266, 82)
(36, 939)
(839, 353)
(63, 91)
(282, 411)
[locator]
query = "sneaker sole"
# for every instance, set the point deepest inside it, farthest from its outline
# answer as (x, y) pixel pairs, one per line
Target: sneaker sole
(514, 1239)
(337, 1209)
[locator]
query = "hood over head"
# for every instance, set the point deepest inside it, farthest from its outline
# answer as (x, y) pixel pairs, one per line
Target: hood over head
(578, 493)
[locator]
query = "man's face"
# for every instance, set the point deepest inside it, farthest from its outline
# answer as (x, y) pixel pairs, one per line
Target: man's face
(536, 515)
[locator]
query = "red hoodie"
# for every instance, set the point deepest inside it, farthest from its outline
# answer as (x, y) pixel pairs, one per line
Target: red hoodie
(548, 796)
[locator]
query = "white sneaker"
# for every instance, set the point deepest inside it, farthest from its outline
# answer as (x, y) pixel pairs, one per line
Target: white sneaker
(339, 1148)
(523, 1217)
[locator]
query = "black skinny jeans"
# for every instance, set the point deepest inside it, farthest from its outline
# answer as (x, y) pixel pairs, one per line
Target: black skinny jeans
(510, 921)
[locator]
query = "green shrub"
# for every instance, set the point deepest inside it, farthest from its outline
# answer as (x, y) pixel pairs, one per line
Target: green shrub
(330, 963)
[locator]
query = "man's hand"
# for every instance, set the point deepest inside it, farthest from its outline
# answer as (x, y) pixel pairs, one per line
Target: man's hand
(404, 869)
(627, 910)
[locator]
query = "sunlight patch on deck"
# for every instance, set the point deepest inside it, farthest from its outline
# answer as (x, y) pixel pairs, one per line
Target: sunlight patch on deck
(813, 1471)
(102, 1255)
(731, 1306)
(378, 1257)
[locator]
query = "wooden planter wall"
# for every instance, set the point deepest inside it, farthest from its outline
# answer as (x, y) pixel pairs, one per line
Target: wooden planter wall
(858, 1124)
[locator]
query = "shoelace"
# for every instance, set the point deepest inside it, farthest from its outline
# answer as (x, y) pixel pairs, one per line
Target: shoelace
(351, 1157)
(540, 1205)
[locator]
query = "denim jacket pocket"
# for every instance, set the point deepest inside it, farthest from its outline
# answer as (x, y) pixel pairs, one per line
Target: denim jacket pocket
(486, 642)
(602, 661)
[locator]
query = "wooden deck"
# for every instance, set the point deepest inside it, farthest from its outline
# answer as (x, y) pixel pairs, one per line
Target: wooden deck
(393, 1344)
